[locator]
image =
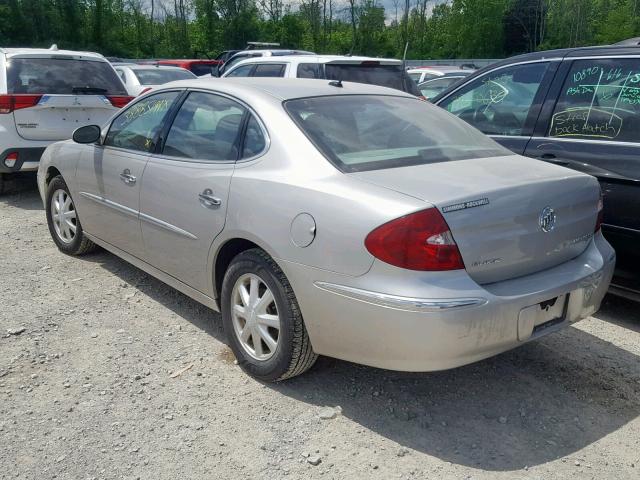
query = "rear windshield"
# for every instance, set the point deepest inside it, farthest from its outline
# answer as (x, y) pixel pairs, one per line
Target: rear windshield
(392, 76)
(62, 76)
(158, 76)
(367, 132)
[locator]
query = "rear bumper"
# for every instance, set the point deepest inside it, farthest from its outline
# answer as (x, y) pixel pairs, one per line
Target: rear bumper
(28, 159)
(431, 321)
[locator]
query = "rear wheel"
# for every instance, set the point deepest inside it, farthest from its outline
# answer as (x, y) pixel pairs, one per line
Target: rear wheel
(2, 183)
(262, 319)
(62, 219)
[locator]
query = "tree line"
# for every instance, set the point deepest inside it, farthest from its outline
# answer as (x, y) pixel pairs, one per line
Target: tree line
(432, 28)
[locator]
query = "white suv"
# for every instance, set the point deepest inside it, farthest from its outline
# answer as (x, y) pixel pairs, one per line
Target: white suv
(386, 72)
(45, 94)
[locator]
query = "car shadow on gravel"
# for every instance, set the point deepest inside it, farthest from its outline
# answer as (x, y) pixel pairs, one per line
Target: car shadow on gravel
(22, 192)
(546, 400)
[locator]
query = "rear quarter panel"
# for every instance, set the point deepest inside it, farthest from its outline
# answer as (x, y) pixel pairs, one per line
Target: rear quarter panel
(293, 178)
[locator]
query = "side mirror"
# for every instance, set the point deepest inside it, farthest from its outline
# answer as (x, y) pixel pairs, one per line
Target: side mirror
(215, 71)
(87, 134)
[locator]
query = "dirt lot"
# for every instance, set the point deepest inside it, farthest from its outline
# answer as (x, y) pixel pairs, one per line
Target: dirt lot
(86, 390)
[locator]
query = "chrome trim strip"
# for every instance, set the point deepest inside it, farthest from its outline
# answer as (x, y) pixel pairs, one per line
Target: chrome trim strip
(585, 140)
(167, 226)
(409, 304)
(108, 203)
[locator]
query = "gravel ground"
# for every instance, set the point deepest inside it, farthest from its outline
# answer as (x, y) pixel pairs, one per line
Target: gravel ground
(107, 373)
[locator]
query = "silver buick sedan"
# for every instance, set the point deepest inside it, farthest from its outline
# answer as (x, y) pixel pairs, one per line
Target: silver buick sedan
(333, 218)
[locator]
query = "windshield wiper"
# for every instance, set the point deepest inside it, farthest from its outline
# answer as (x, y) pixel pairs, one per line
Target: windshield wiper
(88, 90)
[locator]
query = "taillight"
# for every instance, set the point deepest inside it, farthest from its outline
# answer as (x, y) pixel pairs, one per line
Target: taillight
(119, 101)
(600, 214)
(418, 241)
(10, 103)
(11, 159)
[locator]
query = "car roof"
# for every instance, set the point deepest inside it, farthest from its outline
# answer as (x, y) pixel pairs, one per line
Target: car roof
(283, 88)
(135, 66)
(319, 59)
(438, 68)
(50, 52)
(186, 60)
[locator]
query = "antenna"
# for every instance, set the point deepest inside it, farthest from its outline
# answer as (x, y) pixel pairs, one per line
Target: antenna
(404, 56)
(336, 83)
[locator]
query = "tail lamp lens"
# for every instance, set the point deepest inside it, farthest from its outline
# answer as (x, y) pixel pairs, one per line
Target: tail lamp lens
(418, 241)
(11, 159)
(11, 103)
(119, 101)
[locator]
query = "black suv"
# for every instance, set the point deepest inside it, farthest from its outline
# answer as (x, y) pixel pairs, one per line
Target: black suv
(578, 108)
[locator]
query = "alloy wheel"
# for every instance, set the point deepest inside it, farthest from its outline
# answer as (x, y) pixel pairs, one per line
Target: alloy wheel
(255, 318)
(63, 214)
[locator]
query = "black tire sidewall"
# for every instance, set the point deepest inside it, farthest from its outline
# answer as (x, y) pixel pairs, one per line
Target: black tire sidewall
(276, 366)
(71, 248)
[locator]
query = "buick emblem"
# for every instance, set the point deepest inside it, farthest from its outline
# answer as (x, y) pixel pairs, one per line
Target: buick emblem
(547, 219)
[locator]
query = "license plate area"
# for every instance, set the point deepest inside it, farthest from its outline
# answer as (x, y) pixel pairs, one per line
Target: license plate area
(536, 318)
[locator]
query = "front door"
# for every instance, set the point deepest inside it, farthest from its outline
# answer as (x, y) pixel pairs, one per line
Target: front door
(186, 186)
(109, 176)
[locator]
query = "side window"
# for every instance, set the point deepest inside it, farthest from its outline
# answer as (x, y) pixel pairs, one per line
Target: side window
(269, 70)
(254, 141)
(309, 70)
(136, 127)
(600, 100)
(498, 103)
(206, 127)
(243, 71)
(122, 75)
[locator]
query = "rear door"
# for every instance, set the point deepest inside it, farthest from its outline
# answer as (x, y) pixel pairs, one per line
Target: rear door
(75, 91)
(503, 103)
(591, 123)
(109, 176)
(186, 185)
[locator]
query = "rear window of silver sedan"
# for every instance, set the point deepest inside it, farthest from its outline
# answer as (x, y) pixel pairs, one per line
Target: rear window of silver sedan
(371, 132)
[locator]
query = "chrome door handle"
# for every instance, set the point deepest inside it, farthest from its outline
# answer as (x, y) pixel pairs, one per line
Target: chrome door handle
(127, 178)
(208, 200)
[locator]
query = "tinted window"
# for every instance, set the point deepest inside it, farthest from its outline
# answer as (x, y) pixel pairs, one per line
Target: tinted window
(206, 128)
(242, 71)
(392, 76)
(136, 127)
(199, 69)
(62, 77)
(309, 70)
(431, 88)
(254, 141)
(158, 76)
(365, 132)
(600, 100)
(269, 70)
(499, 102)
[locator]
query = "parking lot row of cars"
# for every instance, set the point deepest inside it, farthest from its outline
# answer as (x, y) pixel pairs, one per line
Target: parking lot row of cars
(323, 212)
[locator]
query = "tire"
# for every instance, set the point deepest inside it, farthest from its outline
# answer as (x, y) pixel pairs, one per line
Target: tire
(76, 243)
(3, 183)
(293, 353)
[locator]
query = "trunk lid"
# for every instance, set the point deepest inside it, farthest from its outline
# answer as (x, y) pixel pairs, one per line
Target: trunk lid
(497, 207)
(55, 117)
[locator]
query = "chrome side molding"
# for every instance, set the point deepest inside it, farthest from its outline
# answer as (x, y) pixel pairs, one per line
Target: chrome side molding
(409, 304)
